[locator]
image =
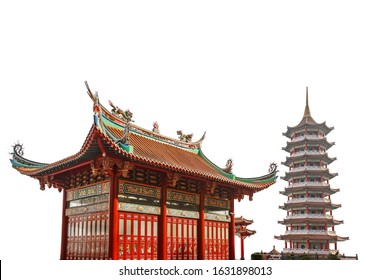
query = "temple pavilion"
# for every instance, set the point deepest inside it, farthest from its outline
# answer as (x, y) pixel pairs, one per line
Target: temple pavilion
(132, 193)
(310, 224)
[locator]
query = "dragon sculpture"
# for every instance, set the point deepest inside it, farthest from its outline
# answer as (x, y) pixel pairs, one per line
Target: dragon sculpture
(229, 166)
(124, 115)
(184, 137)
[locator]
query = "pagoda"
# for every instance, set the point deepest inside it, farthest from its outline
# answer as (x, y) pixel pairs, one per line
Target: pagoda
(133, 193)
(310, 225)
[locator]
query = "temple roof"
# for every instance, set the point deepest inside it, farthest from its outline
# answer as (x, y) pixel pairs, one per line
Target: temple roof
(114, 133)
(241, 221)
(307, 121)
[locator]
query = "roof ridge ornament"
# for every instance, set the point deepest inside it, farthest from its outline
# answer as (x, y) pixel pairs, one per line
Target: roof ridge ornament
(272, 167)
(156, 127)
(229, 166)
(18, 149)
(184, 137)
(118, 112)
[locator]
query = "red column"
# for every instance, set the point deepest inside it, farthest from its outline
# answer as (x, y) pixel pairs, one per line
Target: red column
(64, 231)
(201, 235)
(113, 235)
(232, 255)
(242, 247)
(162, 226)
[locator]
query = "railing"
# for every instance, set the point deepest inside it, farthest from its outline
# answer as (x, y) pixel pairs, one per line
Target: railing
(317, 184)
(307, 152)
(311, 231)
(315, 216)
(299, 138)
(309, 199)
(301, 168)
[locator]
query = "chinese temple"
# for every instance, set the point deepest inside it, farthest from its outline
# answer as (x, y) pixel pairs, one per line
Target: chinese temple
(132, 193)
(310, 224)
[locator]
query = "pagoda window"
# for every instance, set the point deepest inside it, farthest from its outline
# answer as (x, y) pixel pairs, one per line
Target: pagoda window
(303, 246)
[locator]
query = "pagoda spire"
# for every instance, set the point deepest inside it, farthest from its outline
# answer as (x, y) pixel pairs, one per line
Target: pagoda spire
(307, 109)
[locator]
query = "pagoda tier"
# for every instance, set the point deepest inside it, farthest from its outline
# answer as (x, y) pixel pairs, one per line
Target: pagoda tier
(304, 140)
(305, 155)
(310, 218)
(309, 221)
(133, 193)
(308, 171)
(309, 202)
(309, 186)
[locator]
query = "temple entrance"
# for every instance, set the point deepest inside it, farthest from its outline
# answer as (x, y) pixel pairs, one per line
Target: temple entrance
(137, 236)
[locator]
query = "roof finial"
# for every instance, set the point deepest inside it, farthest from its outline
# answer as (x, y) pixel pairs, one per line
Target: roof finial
(307, 109)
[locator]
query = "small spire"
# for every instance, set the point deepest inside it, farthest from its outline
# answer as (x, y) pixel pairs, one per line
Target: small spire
(307, 109)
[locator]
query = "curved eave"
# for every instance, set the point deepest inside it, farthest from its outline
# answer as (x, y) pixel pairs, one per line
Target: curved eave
(21, 162)
(240, 221)
(328, 221)
(327, 145)
(326, 189)
(311, 237)
(307, 122)
(81, 156)
(298, 204)
(323, 173)
(304, 156)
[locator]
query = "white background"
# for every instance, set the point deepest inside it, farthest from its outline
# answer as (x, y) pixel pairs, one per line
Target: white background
(236, 69)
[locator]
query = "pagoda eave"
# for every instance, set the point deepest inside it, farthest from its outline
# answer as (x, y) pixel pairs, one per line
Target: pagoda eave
(294, 205)
(304, 156)
(324, 173)
(312, 237)
(328, 221)
(326, 189)
(304, 140)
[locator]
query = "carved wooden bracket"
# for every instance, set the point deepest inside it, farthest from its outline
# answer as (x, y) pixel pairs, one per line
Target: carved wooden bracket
(42, 184)
(104, 164)
(94, 169)
(125, 167)
(172, 178)
(211, 186)
(46, 181)
(238, 195)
